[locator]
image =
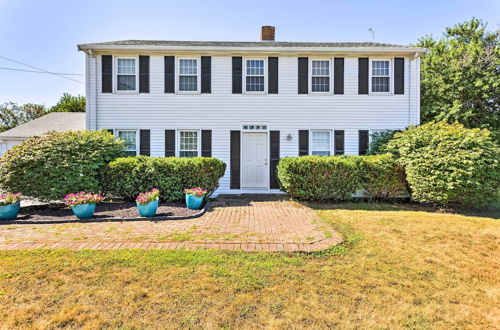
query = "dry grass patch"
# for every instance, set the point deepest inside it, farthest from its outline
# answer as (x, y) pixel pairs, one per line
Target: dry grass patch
(399, 269)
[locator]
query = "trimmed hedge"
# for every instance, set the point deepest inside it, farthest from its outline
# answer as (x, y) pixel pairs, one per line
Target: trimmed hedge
(60, 163)
(320, 178)
(449, 164)
(127, 177)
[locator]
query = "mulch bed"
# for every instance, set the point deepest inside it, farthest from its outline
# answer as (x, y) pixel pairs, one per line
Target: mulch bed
(104, 211)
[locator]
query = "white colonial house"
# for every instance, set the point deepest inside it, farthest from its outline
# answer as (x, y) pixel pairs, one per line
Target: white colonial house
(250, 103)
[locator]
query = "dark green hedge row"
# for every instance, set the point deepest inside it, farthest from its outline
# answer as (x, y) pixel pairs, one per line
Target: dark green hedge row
(127, 177)
(322, 178)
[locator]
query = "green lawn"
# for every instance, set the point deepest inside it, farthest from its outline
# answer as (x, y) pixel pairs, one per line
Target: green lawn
(399, 268)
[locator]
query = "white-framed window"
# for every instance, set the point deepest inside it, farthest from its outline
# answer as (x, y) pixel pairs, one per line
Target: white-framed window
(126, 74)
(254, 127)
(188, 77)
(189, 143)
(321, 76)
(255, 75)
(321, 142)
(130, 137)
(380, 76)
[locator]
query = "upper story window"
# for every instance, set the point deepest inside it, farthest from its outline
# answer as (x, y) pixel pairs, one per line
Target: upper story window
(255, 75)
(381, 76)
(188, 75)
(188, 144)
(320, 76)
(126, 74)
(130, 137)
(320, 143)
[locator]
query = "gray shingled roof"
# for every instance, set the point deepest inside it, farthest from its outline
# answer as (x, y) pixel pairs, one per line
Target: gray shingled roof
(54, 121)
(170, 43)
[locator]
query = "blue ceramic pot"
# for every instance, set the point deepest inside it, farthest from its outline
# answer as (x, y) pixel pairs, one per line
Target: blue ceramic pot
(84, 211)
(10, 212)
(148, 210)
(194, 202)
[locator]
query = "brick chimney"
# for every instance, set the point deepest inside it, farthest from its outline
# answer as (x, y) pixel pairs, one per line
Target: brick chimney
(267, 33)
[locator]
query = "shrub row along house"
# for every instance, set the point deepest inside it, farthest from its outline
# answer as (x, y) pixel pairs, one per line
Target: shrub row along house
(250, 103)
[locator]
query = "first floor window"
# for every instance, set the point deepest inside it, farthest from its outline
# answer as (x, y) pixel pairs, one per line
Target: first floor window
(125, 74)
(320, 143)
(380, 76)
(188, 75)
(255, 73)
(130, 138)
(188, 144)
(320, 76)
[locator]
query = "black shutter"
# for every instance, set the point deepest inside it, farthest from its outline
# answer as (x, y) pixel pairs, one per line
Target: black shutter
(206, 74)
(274, 158)
(206, 143)
(235, 147)
(237, 74)
(145, 143)
(110, 130)
(143, 74)
(303, 75)
(338, 75)
(169, 74)
(303, 142)
(272, 71)
(107, 73)
(363, 75)
(169, 143)
(363, 142)
(399, 76)
(339, 142)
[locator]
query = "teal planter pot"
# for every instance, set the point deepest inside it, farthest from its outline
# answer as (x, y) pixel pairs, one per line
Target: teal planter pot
(84, 211)
(148, 210)
(10, 212)
(194, 202)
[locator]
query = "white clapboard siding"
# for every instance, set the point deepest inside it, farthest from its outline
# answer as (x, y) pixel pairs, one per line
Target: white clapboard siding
(221, 111)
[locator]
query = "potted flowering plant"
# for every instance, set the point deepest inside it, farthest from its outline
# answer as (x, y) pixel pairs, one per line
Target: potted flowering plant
(83, 204)
(10, 205)
(194, 197)
(147, 202)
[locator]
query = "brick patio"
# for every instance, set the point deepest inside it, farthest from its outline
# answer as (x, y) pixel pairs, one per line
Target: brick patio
(249, 223)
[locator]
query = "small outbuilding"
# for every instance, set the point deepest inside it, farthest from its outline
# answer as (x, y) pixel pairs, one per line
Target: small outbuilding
(54, 121)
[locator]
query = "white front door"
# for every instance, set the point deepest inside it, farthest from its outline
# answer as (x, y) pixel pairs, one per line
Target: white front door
(254, 160)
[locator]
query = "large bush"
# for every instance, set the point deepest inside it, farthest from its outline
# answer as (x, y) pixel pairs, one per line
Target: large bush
(449, 164)
(127, 177)
(321, 178)
(52, 166)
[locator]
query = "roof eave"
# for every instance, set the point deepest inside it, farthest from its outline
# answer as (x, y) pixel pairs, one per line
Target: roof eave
(86, 47)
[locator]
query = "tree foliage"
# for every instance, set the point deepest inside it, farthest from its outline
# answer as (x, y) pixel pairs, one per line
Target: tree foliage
(69, 103)
(12, 114)
(460, 77)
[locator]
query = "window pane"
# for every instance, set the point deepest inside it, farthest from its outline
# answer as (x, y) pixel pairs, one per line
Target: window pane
(126, 66)
(130, 141)
(380, 84)
(188, 144)
(255, 67)
(320, 84)
(125, 83)
(320, 143)
(320, 68)
(188, 83)
(255, 84)
(188, 67)
(380, 68)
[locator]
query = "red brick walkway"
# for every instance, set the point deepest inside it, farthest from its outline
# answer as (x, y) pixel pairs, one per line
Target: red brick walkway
(246, 224)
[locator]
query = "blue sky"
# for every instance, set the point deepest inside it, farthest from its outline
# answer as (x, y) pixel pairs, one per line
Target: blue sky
(45, 33)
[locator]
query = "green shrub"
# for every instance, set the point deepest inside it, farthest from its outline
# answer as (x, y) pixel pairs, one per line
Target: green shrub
(60, 163)
(449, 164)
(379, 141)
(320, 178)
(127, 177)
